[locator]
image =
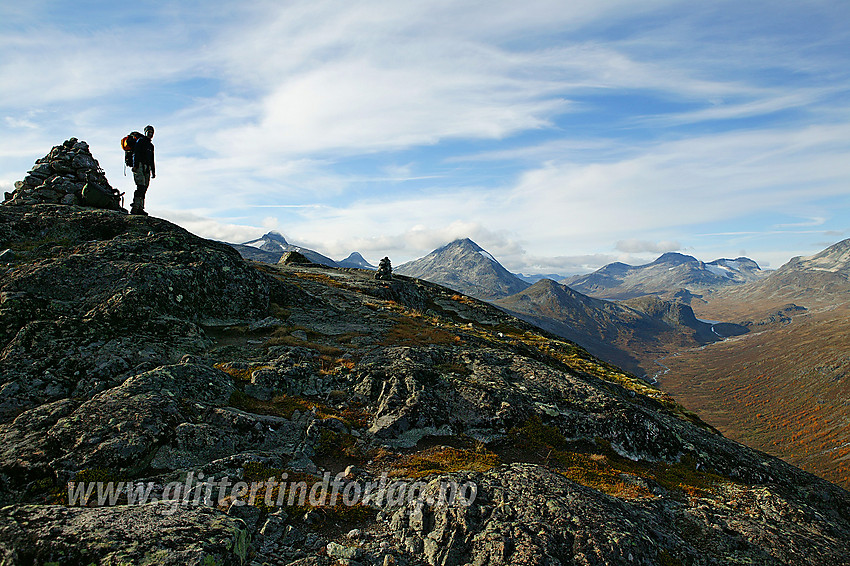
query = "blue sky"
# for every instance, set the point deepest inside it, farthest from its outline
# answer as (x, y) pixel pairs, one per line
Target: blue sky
(559, 135)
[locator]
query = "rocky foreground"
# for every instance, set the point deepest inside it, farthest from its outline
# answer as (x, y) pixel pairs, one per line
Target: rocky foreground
(136, 353)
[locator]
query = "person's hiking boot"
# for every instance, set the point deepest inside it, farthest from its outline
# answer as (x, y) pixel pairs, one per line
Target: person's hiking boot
(138, 207)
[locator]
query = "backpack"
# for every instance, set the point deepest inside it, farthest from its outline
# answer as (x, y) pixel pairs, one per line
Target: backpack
(98, 196)
(128, 144)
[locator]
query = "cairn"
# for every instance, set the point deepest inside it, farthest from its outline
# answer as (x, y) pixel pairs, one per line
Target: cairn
(60, 176)
(385, 270)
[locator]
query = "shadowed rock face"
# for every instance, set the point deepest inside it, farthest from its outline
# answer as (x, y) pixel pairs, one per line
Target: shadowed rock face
(632, 334)
(135, 351)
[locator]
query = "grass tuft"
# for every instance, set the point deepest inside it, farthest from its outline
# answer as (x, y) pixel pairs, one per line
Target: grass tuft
(442, 459)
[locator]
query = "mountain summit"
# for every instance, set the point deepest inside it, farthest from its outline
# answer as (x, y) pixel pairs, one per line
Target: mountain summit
(466, 267)
(271, 242)
(834, 259)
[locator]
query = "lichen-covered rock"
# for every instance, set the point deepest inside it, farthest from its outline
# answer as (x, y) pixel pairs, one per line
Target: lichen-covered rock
(526, 514)
(93, 296)
(146, 534)
(122, 428)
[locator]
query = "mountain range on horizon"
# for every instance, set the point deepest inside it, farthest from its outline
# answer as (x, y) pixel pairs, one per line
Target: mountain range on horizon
(819, 279)
(271, 246)
(671, 275)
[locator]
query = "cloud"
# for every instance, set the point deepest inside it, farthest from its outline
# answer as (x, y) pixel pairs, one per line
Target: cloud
(74, 67)
(670, 187)
(817, 221)
(687, 182)
(635, 246)
(362, 78)
(210, 228)
(360, 106)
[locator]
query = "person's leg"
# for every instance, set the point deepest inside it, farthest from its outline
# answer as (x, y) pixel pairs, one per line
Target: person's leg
(141, 175)
(138, 205)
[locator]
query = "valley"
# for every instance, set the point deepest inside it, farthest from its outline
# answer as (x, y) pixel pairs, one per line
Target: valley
(784, 390)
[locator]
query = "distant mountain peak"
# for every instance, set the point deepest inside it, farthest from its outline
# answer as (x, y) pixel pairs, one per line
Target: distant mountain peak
(275, 236)
(356, 260)
(547, 284)
(466, 267)
(675, 258)
(272, 245)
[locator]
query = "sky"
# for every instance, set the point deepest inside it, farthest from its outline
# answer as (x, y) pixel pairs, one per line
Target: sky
(559, 135)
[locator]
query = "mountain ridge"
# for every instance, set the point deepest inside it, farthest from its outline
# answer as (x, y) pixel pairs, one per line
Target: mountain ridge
(667, 275)
(135, 351)
(820, 279)
(631, 334)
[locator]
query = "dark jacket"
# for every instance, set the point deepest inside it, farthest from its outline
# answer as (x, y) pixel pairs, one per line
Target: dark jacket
(143, 153)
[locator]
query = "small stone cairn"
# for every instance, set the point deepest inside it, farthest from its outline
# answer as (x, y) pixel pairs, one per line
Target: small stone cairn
(385, 270)
(59, 177)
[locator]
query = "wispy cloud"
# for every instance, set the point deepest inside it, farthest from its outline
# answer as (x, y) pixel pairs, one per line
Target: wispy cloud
(817, 221)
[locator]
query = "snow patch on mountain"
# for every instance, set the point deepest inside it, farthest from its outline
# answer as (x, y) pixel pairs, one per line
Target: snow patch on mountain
(488, 256)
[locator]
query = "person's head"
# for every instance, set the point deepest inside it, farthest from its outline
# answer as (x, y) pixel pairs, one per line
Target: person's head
(149, 131)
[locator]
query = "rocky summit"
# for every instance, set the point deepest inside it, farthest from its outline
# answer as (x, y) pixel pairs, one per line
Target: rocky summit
(163, 401)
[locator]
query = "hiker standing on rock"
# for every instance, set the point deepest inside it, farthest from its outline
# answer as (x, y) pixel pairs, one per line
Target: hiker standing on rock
(143, 170)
